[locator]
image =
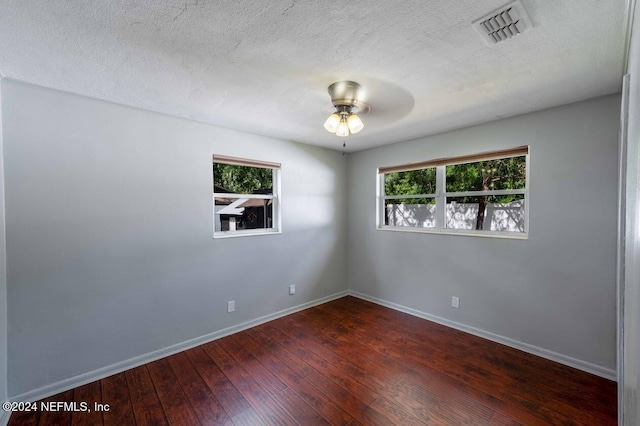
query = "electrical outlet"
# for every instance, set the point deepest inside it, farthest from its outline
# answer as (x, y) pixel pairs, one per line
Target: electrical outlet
(231, 305)
(292, 289)
(455, 302)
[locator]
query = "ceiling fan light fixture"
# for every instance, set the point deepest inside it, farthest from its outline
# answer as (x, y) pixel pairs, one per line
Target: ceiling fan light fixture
(332, 122)
(343, 128)
(355, 124)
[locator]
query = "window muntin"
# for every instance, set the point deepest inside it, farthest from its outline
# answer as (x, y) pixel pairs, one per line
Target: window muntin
(478, 194)
(245, 195)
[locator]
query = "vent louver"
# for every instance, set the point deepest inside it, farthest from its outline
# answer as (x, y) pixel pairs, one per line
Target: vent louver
(507, 22)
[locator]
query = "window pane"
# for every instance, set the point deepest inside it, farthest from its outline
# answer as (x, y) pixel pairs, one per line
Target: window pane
(504, 173)
(491, 213)
(232, 214)
(413, 213)
(228, 178)
(412, 182)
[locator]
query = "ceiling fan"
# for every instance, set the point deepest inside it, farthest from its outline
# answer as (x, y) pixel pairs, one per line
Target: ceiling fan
(346, 97)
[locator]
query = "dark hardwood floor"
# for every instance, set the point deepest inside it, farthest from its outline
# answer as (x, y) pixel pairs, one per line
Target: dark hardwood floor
(347, 362)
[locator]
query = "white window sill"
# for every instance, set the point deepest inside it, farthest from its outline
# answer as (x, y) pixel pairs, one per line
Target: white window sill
(459, 232)
(248, 233)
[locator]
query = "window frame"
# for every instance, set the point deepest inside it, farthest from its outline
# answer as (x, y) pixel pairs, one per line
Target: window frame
(441, 194)
(275, 197)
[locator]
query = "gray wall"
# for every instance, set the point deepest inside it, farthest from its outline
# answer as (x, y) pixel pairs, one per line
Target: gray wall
(632, 251)
(3, 272)
(556, 290)
(109, 233)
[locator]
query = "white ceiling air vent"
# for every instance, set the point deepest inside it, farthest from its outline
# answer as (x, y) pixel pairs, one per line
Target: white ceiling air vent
(502, 24)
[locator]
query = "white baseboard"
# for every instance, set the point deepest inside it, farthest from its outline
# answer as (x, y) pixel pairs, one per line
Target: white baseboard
(598, 370)
(4, 417)
(101, 373)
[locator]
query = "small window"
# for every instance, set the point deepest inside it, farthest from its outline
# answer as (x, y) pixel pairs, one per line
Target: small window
(482, 194)
(410, 198)
(245, 197)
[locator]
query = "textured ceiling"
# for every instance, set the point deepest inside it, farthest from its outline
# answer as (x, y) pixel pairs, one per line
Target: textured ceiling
(264, 66)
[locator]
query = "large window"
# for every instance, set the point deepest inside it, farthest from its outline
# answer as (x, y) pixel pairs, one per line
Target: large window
(480, 194)
(245, 197)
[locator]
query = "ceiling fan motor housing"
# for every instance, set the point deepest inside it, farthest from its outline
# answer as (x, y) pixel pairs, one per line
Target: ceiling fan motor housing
(344, 93)
(346, 96)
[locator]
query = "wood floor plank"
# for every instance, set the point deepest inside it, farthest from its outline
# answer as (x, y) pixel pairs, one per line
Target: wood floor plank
(425, 408)
(269, 352)
(261, 374)
(224, 391)
(314, 356)
(115, 392)
(56, 415)
(355, 359)
(345, 362)
(464, 394)
(25, 418)
(270, 411)
(204, 403)
(385, 350)
(147, 408)
(248, 417)
(398, 414)
(174, 402)
(301, 412)
(550, 409)
(304, 389)
(500, 419)
(434, 408)
(90, 393)
(337, 366)
(336, 385)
